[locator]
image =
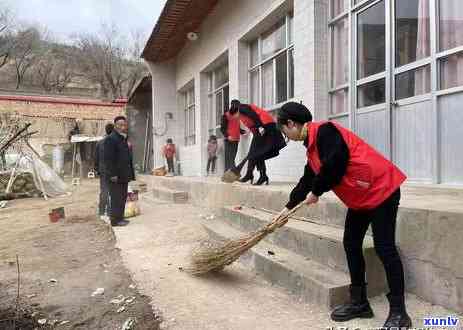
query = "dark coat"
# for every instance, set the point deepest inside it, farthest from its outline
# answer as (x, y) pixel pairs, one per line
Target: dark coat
(118, 158)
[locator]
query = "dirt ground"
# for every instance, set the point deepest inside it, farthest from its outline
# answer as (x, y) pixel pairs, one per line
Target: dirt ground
(62, 264)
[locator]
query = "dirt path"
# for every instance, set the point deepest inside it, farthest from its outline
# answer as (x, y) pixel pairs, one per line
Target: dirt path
(155, 244)
(79, 254)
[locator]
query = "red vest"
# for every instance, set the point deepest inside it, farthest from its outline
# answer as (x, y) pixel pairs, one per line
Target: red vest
(233, 127)
(169, 150)
(264, 117)
(370, 178)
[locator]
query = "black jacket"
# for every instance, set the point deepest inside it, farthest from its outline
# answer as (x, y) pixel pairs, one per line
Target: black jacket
(99, 157)
(117, 158)
(334, 156)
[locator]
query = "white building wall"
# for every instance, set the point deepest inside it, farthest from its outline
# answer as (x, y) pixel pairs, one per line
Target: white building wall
(226, 30)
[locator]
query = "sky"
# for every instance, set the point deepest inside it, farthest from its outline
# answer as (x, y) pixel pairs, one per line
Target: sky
(66, 17)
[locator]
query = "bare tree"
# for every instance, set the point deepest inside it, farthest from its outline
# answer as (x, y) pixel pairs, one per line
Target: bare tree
(25, 52)
(56, 68)
(111, 61)
(6, 22)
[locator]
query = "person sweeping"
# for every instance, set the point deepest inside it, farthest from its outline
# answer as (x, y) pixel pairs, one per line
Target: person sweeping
(369, 185)
(267, 140)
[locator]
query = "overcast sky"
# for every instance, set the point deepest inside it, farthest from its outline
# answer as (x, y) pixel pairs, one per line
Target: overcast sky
(66, 17)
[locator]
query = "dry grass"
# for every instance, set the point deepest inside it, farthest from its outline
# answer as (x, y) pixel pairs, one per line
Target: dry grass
(210, 257)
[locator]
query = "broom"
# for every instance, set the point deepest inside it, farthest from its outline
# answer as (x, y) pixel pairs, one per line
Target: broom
(209, 258)
(233, 174)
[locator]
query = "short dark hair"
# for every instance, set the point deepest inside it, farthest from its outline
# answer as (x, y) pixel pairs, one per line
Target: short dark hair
(119, 118)
(169, 140)
(234, 106)
(297, 112)
(213, 137)
(109, 128)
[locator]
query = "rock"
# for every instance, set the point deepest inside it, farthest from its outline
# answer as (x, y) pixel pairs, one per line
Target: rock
(130, 300)
(132, 286)
(128, 324)
(42, 321)
(31, 296)
(98, 292)
(52, 280)
(120, 310)
(118, 300)
(64, 322)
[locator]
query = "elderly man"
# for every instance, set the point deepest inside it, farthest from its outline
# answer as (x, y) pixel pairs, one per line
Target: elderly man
(119, 169)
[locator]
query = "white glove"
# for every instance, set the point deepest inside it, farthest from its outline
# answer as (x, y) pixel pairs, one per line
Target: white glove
(261, 130)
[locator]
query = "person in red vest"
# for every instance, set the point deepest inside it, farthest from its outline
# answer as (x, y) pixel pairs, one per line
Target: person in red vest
(267, 140)
(230, 128)
(169, 152)
(369, 185)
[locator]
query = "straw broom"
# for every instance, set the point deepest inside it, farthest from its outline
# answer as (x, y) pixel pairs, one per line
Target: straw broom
(211, 259)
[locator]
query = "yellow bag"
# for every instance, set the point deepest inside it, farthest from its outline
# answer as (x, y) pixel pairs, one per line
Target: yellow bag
(131, 209)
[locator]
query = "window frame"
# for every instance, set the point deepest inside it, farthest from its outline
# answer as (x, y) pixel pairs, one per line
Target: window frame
(189, 107)
(212, 94)
(289, 47)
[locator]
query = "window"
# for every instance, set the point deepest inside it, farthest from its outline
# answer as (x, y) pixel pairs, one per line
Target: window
(218, 98)
(413, 82)
(271, 74)
(189, 108)
(412, 31)
(371, 47)
(339, 38)
(451, 37)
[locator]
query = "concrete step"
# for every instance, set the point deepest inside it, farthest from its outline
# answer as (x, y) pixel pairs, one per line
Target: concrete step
(321, 243)
(307, 279)
(170, 195)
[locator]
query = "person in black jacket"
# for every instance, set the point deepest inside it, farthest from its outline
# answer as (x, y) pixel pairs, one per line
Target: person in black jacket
(118, 169)
(103, 205)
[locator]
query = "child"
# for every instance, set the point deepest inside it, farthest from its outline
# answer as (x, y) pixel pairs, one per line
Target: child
(169, 153)
(211, 153)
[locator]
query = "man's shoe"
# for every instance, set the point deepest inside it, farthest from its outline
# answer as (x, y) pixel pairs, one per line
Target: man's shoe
(120, 223)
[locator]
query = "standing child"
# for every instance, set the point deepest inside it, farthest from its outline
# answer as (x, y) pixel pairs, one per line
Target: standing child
(211, 153)
(169, 152)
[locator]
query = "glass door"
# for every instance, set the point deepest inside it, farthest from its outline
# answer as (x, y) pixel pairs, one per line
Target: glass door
(411, 99)
(371, 116)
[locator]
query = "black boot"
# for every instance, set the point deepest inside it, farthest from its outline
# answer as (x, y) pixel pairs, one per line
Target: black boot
(247, 177)
(359, 307)
(249, 173)
(398, 317)
(262, 179)
(263, 173)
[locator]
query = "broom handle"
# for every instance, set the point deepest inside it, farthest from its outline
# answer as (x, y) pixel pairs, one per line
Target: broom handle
(279, 220)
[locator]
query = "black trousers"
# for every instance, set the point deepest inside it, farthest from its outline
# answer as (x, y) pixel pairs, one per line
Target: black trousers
(211, 163)
(103, 205)
(231, 148)
(118, 195)
(170, 165)
(383, 224)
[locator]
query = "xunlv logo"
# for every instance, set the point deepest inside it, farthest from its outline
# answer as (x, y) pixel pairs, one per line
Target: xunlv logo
(441, 321)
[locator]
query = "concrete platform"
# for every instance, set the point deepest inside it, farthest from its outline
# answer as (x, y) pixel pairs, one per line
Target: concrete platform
(320, 243)
(430, 226)
(170, 195)
(303, 277)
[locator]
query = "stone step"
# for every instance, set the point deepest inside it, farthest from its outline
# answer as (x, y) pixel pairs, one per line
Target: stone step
(309, 280)
(170, 195)
(321, 243)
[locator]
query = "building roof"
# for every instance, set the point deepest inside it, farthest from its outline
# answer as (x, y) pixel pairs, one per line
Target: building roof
(63, 100)
(178, 18)
(143, 85)
(61, 107)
